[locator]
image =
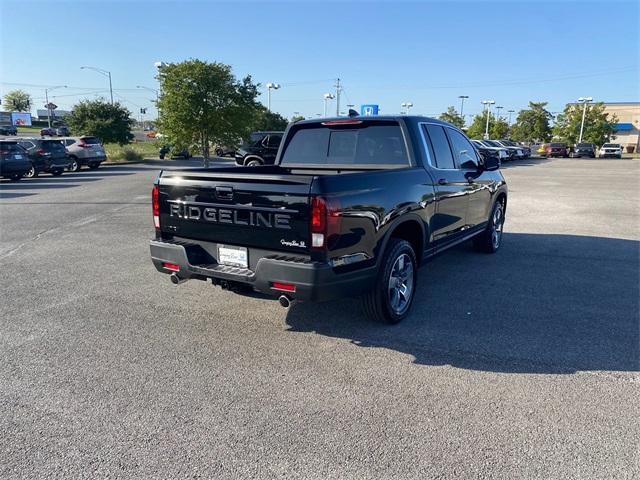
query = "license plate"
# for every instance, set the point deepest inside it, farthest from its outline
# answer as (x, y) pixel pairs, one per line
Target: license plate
(18, 157)
(234, 256)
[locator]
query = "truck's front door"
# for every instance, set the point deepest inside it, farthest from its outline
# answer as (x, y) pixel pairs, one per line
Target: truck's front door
(451, 186)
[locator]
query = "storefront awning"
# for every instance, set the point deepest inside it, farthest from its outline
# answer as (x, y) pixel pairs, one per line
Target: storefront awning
(623, 127)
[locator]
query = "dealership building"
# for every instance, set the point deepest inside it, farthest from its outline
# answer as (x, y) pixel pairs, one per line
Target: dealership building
(628, 124)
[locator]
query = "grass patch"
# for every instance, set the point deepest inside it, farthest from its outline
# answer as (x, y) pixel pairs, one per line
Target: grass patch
(25, 129)
(131, 152)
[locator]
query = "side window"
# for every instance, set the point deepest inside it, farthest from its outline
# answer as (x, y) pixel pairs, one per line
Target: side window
(463, 151)
(69, 142)
(274, 141)
(441, 150)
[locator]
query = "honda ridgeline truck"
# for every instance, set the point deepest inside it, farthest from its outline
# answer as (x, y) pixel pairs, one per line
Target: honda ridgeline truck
(351, 207)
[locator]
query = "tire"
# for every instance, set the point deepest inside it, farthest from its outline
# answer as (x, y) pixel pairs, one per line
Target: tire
(15, 177)
(162, 156)
(75, 165)
(253, 163)
(94, 166)
(219, 152)
(390, 299)
(57, 172)
(32, 173)
(490, 240)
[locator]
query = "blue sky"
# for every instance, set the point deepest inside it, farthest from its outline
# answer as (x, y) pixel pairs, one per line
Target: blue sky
(384, 52)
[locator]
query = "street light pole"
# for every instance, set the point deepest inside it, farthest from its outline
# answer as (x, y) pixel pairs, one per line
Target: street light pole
(407, 106)
(488, 104)
(498, 114)
(584, 101)
(46, 97)
(327, 97)
(271, 86)
(106, 73)
(510, 112)
(462, 97)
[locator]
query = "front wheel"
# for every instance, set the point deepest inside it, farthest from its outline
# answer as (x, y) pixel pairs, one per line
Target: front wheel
(254, 163)
(390, 299)
(490, 239)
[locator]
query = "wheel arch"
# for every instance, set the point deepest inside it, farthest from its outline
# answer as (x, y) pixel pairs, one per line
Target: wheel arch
(410, 228)
(248, 158)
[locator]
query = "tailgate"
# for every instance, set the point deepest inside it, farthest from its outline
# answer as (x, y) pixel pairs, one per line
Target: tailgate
(236, 208)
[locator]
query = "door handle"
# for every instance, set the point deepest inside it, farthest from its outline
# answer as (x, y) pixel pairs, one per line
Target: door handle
(443, 181)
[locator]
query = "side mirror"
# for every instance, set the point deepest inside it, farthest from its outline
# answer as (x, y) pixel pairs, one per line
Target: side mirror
(491, 163)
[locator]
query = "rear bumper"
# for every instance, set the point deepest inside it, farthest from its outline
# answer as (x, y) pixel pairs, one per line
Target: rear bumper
(91, 160)
(313, 281)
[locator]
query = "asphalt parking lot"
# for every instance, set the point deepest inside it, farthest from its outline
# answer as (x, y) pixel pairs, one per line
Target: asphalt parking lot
(524, 364)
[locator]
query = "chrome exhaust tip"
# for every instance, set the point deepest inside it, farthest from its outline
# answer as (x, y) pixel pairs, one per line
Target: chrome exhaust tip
(176, 280)
(284, 301)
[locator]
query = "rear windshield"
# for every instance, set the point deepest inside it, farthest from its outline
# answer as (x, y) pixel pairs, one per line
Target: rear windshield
(558, 145)
(52, 145)
(362, 143)
(9, 147)
(584, 145)
(611, 145)
(91, 140)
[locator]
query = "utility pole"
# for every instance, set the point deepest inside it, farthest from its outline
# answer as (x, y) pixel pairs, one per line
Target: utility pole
(584, 101)
(338, 88)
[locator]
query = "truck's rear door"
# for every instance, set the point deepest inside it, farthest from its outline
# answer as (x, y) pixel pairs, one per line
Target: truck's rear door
(261, 207)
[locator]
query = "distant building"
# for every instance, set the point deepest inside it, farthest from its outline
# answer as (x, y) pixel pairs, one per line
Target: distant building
(43, 114)
(628, 125)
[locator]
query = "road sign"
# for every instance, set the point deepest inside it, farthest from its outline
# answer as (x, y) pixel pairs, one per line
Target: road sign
(50, 106)
(369, 110)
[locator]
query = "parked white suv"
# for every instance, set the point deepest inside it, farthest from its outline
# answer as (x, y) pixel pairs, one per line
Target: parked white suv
(84, 151)
(610, 150)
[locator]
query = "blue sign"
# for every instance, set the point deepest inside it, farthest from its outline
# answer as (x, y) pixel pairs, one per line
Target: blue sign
(369, 110)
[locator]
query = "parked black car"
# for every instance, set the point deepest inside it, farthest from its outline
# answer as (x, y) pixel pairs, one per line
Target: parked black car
(261, 149)
(174, 152)
(353, 206)
(46, 155)
(583, 150)
(14, 163)
(62, 131)
(8, 130)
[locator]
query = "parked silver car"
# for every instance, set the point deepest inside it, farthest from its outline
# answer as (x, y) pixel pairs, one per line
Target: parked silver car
(84, 151)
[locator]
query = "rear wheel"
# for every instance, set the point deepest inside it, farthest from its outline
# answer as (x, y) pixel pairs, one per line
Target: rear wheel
(32, 173)
(390, 299)
(490, 239)
(15, 177)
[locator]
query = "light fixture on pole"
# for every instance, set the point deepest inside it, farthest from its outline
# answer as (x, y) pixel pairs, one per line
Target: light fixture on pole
(327, 97)
(487, 103)
(584, 101)
(48, 105)
(106, 73)
(498, 109)
(271, 86)
(407, 106)
(462, 97)
(510, 112)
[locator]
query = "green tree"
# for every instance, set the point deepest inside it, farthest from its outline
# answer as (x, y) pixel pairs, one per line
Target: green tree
(453, 117)
(498, 128)
(533, 124)
(599, 126)
(17, 101)
(269, 121)
(202, 104)
(297, 118)
(477, 128)
(110, 122)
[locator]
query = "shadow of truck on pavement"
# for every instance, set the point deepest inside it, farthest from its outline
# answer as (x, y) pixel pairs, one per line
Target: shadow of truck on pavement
(543, 304)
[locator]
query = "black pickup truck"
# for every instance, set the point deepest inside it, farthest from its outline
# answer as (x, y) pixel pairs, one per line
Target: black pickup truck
(351, 207)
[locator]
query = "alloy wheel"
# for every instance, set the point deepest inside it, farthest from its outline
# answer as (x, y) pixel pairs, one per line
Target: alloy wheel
(401, 284)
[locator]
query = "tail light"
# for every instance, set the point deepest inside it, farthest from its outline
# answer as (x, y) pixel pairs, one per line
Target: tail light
(325, 222)
(42, 151)
(83, 145)
(155, 204)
